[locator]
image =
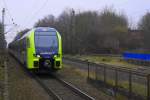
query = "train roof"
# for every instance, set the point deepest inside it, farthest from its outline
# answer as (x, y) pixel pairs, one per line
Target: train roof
(44, 29)
(38, 29)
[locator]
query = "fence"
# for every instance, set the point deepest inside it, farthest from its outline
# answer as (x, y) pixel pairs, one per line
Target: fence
(133, 84)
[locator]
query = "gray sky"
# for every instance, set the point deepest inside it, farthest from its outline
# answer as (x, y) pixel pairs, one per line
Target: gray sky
(26, 12)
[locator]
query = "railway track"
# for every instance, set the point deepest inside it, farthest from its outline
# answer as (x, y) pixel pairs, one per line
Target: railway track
(57, 88)
(60, 89)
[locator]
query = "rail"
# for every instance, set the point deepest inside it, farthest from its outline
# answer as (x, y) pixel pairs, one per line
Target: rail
(69, 86)
(75, 89)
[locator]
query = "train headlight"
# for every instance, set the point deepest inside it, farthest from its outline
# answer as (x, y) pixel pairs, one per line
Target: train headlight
(55, 56)
(38, 56)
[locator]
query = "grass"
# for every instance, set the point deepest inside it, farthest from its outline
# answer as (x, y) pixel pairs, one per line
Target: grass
(1, 73)
(118, 61)
(1, 78)
(139, 89)
(136, 88)
(1, 82)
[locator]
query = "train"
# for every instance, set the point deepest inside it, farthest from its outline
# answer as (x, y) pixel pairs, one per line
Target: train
(38, 48)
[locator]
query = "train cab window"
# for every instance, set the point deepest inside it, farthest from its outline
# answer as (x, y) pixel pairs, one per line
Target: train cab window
(46, 41)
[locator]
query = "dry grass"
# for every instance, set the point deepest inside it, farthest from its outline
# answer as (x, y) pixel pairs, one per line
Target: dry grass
(117, 61)
(1, 82)
(2, 59)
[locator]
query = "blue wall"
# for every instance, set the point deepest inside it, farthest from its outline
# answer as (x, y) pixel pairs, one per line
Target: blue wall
(136, 56)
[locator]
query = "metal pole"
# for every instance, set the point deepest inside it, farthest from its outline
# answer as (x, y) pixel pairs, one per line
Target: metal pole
(148, 87)
(95, 72)
(88, 69)
(3, 21)
(104, 74)
(130, 84)
(72, 31)
(116, 81)
(116, 77)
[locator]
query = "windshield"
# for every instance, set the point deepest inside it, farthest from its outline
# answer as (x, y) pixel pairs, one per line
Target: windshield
(46, 42)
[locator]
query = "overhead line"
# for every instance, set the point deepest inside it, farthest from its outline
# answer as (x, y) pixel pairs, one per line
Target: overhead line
(11, 18)
(6, 7)
(33, 5)
(37, 12)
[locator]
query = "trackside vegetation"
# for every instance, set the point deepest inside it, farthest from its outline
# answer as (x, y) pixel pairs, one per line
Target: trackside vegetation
(2, 60)
(103, 31)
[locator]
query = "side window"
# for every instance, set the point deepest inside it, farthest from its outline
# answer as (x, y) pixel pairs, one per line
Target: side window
(28, 43)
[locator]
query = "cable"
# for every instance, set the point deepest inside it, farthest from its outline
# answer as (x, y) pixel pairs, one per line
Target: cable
(33, 5)
(27, 22)
(14, 25)
(11, 29)
(8, 12)
(35, 14)
(9, 21)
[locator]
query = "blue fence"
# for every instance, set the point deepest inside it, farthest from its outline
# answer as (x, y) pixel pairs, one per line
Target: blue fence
(136, 56)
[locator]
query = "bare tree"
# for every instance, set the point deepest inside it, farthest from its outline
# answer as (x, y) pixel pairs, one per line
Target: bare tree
(144, 25)
(113, 27)
(46, 21)
(90, 31)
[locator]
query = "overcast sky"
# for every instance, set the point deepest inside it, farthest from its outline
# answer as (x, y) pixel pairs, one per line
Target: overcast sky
(26, 12)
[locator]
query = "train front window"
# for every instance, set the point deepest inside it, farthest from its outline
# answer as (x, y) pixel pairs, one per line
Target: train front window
(46, 41)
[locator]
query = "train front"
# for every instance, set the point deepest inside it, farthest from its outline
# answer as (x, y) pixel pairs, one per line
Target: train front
(48, 48)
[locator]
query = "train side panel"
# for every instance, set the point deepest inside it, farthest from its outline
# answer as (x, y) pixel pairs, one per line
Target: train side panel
(32, 61)
(58, 58)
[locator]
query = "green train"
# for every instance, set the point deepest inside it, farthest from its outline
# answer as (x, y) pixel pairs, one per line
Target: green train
(38, 48)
